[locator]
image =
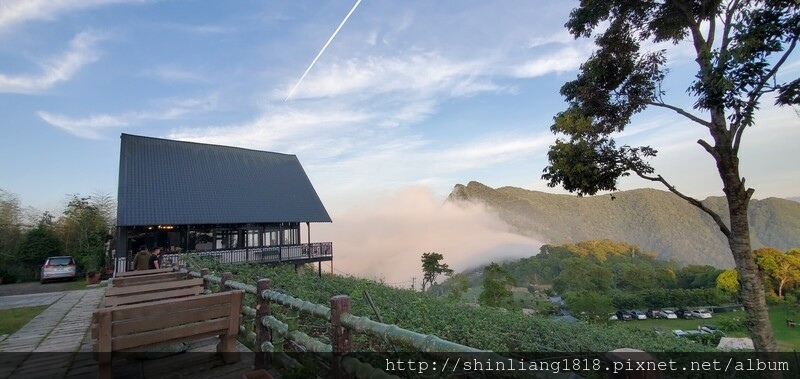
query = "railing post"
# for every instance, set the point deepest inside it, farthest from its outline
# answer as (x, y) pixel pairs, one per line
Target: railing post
(263, 334)
(206, 284)
(341, 337)
(226, 276)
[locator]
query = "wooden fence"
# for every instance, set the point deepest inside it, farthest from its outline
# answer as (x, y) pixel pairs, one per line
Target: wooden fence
(268, 329)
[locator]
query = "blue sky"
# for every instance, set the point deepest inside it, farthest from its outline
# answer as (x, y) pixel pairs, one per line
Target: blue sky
(421, 94)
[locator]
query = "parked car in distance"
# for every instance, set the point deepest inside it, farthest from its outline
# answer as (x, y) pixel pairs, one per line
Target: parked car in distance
(612, 317)
(684, 313)
(624, 315)
(701, 313)
(668, 314)
(679, 333)
(62, 267)
(711, 329)
(638, 315)
(653, 313)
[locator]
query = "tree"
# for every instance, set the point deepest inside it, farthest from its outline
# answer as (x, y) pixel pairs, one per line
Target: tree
(37, 244)
(782, 269)
(739, 48)
(495, 286)
(84, 230)
(595, 306)
(432, 267)
(459, 283)
(728, 283)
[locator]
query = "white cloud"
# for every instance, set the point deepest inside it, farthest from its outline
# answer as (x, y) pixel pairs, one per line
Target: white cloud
(565, 59)
(61, 68)
(420, 73)
(384, 238)
(19, 11)
(93, 127)
(172, 73)
(90, 127)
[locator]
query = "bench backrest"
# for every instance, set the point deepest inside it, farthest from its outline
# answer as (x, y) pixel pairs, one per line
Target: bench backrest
(115, 296)
(137, 327)
(143, 272)
(147, 279)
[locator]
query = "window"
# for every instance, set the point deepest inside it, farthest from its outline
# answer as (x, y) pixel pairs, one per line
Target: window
(271, 238)
(226, 239)
(252, 238)
(290, 237)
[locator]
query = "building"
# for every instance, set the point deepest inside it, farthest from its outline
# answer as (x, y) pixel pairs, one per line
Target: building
(229, 203)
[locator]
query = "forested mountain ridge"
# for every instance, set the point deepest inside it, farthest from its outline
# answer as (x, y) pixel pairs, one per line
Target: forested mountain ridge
(658, 221)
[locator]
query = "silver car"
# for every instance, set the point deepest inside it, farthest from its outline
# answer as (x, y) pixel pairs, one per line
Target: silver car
(62, 267)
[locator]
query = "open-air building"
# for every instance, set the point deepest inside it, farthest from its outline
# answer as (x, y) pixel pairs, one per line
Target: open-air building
(233, 204)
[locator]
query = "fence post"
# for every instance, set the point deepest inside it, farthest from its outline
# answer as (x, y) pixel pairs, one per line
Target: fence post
(341, 337)
(226, 276)
(263, 334)
(206, 284)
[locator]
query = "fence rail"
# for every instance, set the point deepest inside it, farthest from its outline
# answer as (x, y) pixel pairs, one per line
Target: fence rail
(270, 333)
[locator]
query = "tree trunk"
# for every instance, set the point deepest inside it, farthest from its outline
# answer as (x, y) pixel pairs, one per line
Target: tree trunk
(752, 291)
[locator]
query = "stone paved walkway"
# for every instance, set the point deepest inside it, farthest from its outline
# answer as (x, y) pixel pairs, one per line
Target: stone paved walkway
(57, 344)
(59, 329)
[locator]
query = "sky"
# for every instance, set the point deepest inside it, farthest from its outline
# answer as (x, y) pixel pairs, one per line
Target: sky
(408, 98)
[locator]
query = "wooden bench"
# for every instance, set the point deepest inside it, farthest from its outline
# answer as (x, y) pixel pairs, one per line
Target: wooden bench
(144, 272)
(147, 279)
(116, 296)
(139, 327)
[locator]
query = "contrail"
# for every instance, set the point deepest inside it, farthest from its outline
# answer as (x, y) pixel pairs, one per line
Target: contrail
(323, 50)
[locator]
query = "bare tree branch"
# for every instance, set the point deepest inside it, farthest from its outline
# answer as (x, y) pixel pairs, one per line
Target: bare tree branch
(681, 112)
(722, 227)
(726, 32)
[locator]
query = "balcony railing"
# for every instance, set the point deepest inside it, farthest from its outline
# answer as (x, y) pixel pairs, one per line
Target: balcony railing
(302, 253)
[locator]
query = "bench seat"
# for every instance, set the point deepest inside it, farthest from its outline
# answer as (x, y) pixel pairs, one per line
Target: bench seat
(139, 327)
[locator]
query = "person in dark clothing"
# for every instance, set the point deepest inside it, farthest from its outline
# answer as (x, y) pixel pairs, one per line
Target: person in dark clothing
(141, 260)
(154, 263)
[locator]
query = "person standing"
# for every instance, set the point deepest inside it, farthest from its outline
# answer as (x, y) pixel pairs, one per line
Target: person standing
(153, 261)
(141, 260)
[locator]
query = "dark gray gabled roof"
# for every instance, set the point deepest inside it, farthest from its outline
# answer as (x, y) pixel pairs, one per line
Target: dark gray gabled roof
(183, 183)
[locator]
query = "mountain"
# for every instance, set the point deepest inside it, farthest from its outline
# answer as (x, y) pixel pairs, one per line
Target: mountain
(796, 198)
(658, 221)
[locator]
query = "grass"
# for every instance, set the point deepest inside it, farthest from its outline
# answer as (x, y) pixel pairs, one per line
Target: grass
(788, 338)
(16, 318)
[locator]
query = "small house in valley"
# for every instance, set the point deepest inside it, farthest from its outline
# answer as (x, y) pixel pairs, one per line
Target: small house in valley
(229, 203)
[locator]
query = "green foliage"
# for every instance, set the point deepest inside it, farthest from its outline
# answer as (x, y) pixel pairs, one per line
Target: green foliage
(84, 230)
(592, 306)
(738, 59)
(432, 267)
(728, 282)
(781, 271)
(480, 327)
(38, 244)
(458, 285)
(495, 286)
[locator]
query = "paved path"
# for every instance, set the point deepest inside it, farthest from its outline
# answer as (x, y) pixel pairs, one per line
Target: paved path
(60, 329)
(57, 343)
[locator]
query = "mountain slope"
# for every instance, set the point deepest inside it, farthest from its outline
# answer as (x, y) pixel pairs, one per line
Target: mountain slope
(656, 220)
